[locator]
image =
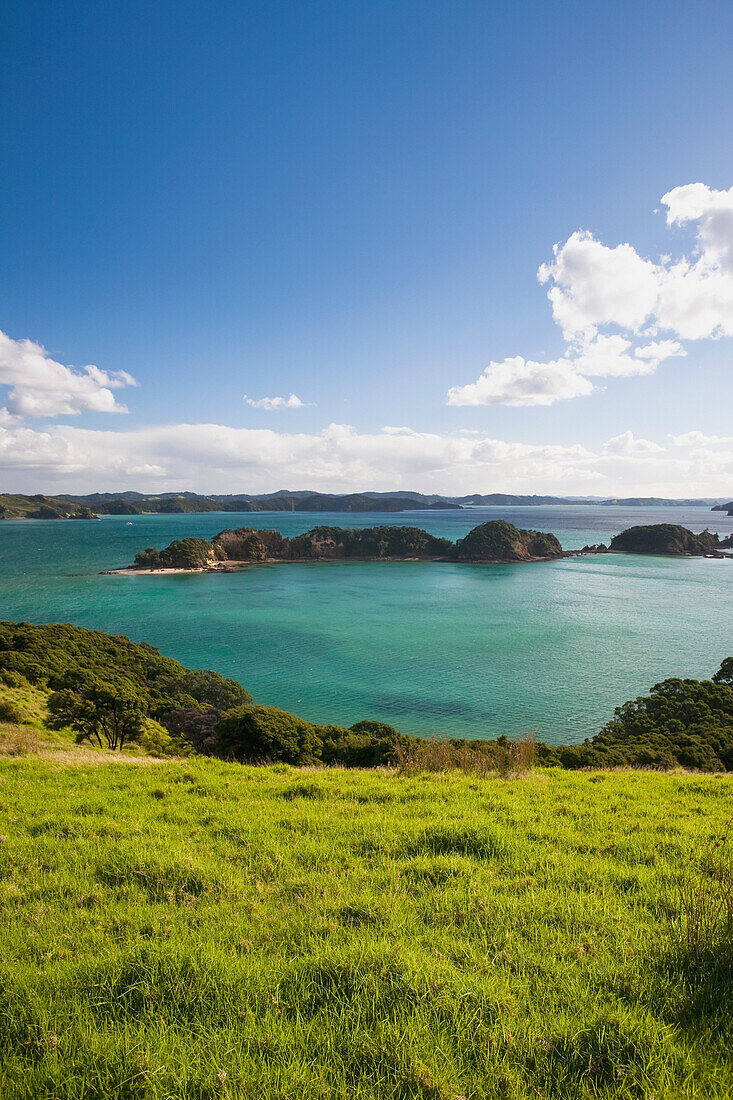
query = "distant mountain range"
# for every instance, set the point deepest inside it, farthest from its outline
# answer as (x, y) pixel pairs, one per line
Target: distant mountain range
(40, 506)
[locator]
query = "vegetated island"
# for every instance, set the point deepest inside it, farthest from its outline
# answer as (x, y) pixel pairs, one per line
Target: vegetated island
(495, 541)
(670, 539)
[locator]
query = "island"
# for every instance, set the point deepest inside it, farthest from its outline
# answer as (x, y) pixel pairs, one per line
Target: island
(671, 540)
(495, 541)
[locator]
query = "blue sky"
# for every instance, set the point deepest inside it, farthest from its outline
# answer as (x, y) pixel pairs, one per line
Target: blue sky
(349, 202)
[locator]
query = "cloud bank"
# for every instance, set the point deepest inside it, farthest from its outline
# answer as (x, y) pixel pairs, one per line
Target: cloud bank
(622, 315)
(216, 458)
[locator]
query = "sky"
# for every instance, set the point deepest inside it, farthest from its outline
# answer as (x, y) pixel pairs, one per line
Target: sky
(397, 244)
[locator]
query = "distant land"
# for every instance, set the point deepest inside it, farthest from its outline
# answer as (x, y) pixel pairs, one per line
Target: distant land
(130, 503)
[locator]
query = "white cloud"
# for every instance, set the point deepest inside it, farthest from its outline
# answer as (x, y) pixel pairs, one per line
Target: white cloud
(271, 403)
(39, 386)
(519, 381)
(692, 298)
(659, 350)
(699, 439)
(608, 302)
(627, 444)
(216, 458)
(595, 285)
(714, 211)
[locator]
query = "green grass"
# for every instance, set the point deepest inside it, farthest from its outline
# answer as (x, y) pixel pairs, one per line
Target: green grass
(202, 930)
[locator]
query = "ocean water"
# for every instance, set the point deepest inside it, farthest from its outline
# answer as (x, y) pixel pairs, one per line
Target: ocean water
(433, 648)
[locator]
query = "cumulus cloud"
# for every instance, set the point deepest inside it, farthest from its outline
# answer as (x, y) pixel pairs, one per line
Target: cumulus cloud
(39, 386)
(609, 301)
(628, 444)
(216, 458)
(271, 403)
(519, 381)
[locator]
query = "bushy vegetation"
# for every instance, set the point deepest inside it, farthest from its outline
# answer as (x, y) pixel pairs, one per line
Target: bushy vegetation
(16, 506)
(681, 723)
(667, 538)
(188, 553)
(106, 687)
(109, 689)
(200, 930)
(502, 541)
(493, 541)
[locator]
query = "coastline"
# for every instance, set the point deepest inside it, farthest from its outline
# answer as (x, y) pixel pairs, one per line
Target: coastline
(239, 566)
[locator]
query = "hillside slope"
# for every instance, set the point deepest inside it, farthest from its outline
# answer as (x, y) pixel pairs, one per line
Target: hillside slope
(202, 930)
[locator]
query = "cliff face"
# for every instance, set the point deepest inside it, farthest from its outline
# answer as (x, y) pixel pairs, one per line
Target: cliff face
(667, 538)
(501, 541)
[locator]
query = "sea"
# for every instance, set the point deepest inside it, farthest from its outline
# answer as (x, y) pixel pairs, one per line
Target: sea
(432, 648)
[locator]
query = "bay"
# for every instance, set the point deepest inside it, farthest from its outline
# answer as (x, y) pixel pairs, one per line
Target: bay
(433, 648)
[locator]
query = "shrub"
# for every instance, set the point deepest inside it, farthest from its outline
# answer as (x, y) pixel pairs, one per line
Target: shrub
(724, 675)
(9, 712)
(181, 554)
(195, 726)
(255, 734)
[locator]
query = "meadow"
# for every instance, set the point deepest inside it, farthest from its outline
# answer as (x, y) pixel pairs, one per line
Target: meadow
(196, 929)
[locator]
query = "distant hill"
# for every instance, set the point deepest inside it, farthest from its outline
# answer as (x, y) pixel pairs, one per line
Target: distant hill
(129, 502)
(14, 506)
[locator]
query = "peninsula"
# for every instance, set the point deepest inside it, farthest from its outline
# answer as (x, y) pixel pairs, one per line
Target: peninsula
(493, 542)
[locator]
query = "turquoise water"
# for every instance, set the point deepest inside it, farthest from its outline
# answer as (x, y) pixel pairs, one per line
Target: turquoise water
(455, 650)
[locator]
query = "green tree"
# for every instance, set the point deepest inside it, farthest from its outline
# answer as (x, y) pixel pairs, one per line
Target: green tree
(255, 734)
(724, 675)
(100, 712)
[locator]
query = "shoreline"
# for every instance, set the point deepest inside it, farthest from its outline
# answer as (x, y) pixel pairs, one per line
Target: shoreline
(240, 566)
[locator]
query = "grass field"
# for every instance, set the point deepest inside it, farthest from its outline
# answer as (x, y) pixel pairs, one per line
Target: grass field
(195, 929)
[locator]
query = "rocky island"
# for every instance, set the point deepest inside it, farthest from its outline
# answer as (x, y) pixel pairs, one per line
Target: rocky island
(493, 542)
(669, 539)
(496, 541)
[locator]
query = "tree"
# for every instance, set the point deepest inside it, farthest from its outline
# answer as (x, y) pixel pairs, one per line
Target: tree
(255, 734)
(724, 675)
(99, 711)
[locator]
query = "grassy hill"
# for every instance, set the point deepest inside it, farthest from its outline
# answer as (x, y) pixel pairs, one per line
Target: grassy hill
(196, 929)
